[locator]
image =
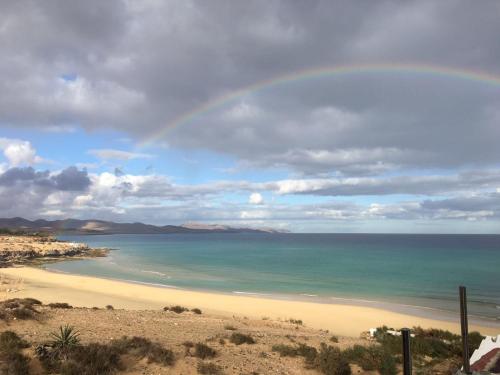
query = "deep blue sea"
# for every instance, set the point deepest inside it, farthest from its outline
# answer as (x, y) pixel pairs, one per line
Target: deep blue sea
(418, 270)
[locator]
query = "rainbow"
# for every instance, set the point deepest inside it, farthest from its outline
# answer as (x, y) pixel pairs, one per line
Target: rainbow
(399, 68)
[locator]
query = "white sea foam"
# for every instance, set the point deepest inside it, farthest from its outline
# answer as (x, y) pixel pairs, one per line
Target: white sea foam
(156, 273)
(251, 293)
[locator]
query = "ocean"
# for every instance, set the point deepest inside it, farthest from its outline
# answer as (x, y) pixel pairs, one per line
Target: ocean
(400, 271)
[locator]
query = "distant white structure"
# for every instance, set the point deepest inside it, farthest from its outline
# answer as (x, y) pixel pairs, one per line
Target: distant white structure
(487, 356)
(391, 332)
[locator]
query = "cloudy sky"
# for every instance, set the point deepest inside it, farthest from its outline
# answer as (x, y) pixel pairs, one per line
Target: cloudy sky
(173, 111)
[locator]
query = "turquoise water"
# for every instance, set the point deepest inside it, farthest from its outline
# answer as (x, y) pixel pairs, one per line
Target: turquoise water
(421, 270)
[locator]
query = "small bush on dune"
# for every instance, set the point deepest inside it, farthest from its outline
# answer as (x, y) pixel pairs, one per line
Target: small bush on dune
(387, 365)
(196, 311)
(143, 347)
(204, 351)
(66, 338)
(97, 359)
(23, 313)
(296, 321)
(14, 364)
(60, 305)
(240, 338)
(31, 301)
(18, 308)
(285, 350)
(176, 309)
(334, 339)
(109, 307)
(308, 352)
(92, 359)
(330, 361)
(11, 342)
(12, 361)
(11, 304)
(209, 369)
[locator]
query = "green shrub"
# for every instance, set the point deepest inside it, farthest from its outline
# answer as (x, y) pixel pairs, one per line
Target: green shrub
(209, 369)
(285, 350)
(161, 355)
(308, 352)
(387, 365)
(91, 359)
(11, 304)
(31, 301)
(196, 311)
(176, 309)
(14, 364)
(18, 308)
(60, 305)
(330, 361)
(368, 357)
(66, 338)
(475, 339)
(23, 313)
(204, 351)
(142, 347)
(10, 342)
(240, 338)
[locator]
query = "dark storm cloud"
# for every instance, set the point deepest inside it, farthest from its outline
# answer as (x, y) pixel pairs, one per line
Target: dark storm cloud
(69, 179)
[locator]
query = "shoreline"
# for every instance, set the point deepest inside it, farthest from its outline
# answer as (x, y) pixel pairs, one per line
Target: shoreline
(419, 311)
(342, 319)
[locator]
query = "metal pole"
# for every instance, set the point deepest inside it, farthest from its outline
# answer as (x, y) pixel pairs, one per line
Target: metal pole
(405, 332)
(465, 328)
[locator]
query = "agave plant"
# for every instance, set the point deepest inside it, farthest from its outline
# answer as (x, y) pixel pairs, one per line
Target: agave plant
(66, 338)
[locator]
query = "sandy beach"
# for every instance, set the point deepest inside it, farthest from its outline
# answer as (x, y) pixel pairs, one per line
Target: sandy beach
(83, 291)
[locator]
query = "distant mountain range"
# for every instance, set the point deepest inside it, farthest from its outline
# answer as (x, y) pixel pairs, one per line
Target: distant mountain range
(75, 226)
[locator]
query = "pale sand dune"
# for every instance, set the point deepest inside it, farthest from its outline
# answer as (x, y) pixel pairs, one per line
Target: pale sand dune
(86, 291)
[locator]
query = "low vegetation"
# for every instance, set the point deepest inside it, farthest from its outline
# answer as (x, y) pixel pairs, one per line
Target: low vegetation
(429, 347)
(60, 305)
(433, 351)
(296, 321)
(204, 351)
(12, 361)
(240, 338)
(19, 308)
(196, 311)
(68, 356)
(176, 309)
(209, 369)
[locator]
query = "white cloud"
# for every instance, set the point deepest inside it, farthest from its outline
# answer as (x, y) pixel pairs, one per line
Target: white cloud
(255, 198)
(19, 152)
(112, 154)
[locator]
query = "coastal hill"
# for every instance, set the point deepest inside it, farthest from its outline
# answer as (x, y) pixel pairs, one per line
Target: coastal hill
(75, 226)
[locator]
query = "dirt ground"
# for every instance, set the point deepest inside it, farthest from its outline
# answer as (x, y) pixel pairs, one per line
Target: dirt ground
(172, 330)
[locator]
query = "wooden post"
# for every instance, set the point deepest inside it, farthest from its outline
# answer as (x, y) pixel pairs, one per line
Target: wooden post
(465, 329)
(405, 333)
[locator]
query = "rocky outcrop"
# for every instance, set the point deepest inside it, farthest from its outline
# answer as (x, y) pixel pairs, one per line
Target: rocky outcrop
(19, 248)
